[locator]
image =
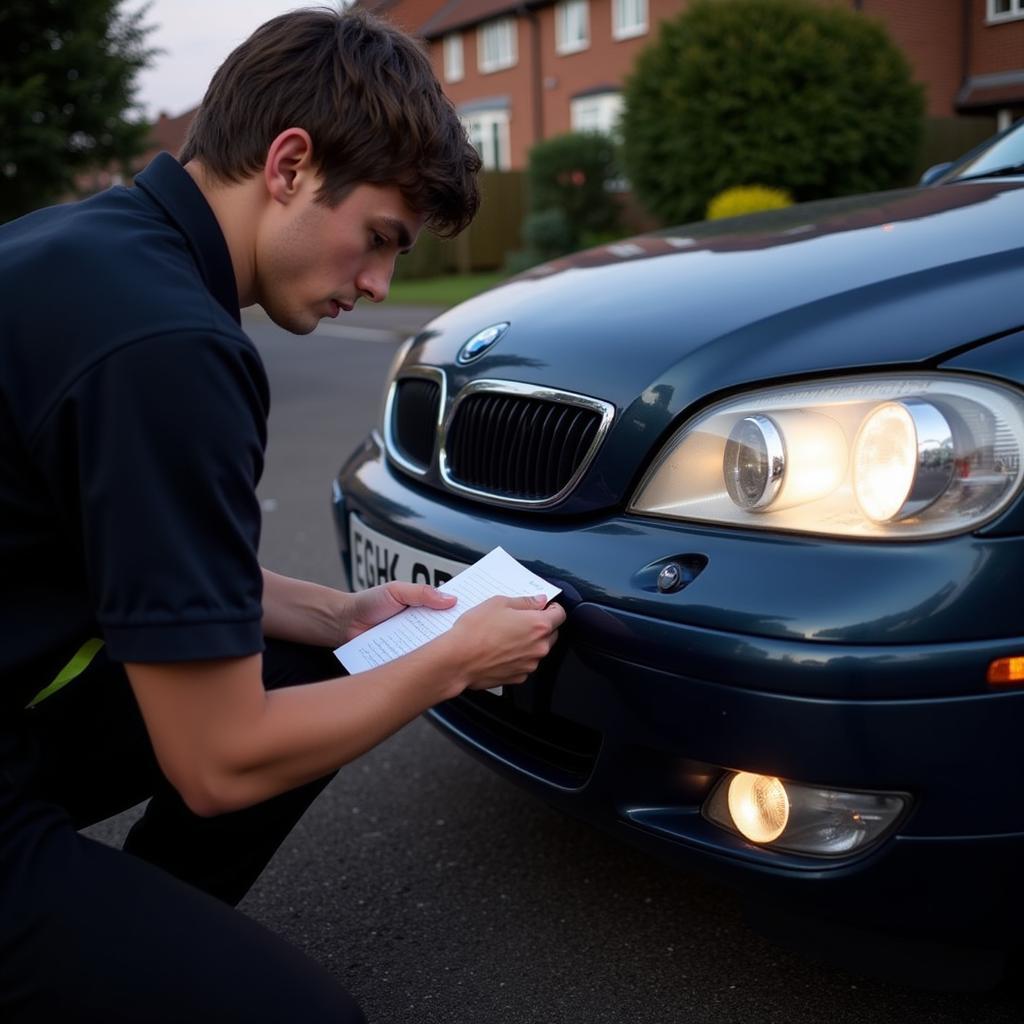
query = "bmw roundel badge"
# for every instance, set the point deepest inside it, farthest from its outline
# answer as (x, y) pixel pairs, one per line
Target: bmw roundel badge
(480, 343)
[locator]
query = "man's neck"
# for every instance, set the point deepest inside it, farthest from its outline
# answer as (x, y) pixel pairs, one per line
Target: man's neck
(237, 207)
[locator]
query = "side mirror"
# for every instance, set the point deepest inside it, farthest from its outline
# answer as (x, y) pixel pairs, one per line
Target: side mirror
(934, 172)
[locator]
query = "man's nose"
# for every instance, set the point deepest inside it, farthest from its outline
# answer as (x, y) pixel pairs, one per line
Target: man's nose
(374, 285)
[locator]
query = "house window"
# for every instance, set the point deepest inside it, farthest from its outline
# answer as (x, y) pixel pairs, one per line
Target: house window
(596, 113)
(1004, 10)
(496, 42)
(488, 131)
(629, 18)
(572, 26)
(453, 69)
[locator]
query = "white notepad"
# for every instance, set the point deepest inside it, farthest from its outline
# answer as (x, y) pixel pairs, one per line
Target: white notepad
(497, 573)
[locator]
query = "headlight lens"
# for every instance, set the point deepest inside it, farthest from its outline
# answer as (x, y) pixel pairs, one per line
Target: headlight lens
(755, 462)
(879, 457)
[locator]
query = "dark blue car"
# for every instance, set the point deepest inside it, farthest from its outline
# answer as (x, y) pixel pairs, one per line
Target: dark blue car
(775, 464)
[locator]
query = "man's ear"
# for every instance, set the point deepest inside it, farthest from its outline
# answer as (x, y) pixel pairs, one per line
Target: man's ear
(289, 167)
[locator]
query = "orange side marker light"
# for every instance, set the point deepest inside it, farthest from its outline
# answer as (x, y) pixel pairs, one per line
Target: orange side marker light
(1006, 672)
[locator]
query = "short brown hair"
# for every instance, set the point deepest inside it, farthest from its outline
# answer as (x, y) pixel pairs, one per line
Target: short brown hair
(368, 97)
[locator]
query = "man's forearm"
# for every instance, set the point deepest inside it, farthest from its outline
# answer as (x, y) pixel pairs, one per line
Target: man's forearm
(303, 612)
(225, 743)
(306, 731)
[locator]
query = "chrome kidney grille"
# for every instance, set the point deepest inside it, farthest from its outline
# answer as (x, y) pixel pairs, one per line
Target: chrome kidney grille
(502, 442)
(412, 418)
(510, 446)
(417, 406)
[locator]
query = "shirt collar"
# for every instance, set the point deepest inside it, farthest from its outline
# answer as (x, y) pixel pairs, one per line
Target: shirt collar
(171, 187)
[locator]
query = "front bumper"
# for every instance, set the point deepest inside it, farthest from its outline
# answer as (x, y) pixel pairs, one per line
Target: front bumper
(649, 698)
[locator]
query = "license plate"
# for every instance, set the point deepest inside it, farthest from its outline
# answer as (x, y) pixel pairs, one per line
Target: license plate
(377, 558)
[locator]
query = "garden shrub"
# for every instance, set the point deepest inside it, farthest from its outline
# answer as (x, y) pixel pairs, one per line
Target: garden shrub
(570, 202)
(571, 173)
(816, 99)
(548, 233)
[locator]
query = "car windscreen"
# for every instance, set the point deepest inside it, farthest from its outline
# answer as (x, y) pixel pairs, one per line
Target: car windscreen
(1005, 151)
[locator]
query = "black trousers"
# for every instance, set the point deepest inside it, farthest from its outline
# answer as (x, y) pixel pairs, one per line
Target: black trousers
(88, 933)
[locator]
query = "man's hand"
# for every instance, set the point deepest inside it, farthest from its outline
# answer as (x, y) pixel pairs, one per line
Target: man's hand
(501, 641)
(368, 607)
(307, 613)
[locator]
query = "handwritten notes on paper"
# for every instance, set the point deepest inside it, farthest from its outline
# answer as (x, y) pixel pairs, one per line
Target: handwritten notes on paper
(497, 573)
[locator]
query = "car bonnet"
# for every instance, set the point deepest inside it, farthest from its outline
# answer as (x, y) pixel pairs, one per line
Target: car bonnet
(888, 279)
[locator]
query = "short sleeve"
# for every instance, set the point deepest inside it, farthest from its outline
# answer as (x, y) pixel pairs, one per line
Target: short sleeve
(154, 455)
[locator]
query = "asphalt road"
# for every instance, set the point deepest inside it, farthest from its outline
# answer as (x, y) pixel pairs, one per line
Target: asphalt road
(436, 891)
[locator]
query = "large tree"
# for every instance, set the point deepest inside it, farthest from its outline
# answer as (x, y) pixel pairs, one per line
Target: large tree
(804, 96)
(67, 95)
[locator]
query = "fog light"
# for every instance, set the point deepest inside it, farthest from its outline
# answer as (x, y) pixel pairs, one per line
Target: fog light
(759, 806)
(793, 816)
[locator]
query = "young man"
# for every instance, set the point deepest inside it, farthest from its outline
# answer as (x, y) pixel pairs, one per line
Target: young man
(145, 653)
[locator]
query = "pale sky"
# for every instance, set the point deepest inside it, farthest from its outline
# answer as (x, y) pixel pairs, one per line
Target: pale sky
(196, 36)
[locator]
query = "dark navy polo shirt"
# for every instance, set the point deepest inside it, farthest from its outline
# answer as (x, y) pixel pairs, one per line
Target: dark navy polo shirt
(132, 428)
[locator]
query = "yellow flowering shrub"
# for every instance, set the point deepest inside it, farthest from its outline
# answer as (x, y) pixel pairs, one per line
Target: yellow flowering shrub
(747, 199)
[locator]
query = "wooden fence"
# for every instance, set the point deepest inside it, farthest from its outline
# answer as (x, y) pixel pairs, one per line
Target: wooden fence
(483, 246)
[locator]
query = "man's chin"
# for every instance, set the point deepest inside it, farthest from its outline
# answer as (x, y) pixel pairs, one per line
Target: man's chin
(293, 322)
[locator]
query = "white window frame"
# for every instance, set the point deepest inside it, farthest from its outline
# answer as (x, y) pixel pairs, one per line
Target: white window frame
(572, 26)
(488, 131)
(637, 9)
(454, 63)
(599, 113)
(1015, 12)
(496, 45)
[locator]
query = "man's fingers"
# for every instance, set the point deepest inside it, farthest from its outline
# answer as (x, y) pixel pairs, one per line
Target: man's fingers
(433, 598)
(555, 614)
(533, 603)
(421, 594)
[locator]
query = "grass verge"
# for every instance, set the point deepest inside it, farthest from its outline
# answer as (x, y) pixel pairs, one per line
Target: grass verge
(441, 291)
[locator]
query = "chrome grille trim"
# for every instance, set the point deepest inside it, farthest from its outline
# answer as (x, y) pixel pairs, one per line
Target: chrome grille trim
(569, 399)
(432, 373)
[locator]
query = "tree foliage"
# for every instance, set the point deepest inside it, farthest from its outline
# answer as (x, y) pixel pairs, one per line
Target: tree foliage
(67, 95)
(792, 94)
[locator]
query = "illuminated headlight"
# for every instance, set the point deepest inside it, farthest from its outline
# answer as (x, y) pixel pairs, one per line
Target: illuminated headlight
(811, 820)
(880, 457)
(783, 461)
(904, 459)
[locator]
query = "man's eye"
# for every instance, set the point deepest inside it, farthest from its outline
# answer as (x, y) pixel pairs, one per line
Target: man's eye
(377, 240)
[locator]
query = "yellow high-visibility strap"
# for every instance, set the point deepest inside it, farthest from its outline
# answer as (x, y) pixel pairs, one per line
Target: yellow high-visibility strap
(79, 662)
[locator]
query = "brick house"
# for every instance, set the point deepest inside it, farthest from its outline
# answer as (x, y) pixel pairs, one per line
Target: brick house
(993, 60)
(167, 134)
(523, 70)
